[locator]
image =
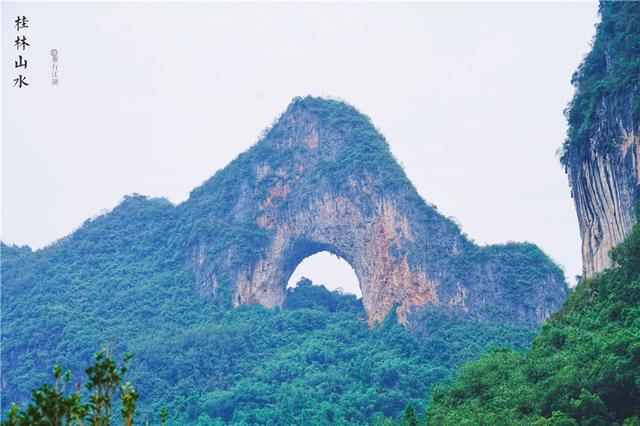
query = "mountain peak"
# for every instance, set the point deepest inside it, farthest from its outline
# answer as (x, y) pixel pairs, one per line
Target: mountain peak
(322, 178)
(311, 120)
(320, 106)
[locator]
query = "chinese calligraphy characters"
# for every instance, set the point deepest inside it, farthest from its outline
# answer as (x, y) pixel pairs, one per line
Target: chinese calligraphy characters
(21, 23)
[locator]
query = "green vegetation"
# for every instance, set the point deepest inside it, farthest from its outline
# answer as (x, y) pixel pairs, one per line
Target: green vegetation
(314, 362)
(224, 210)
(54, 405)
(126, 281)
(307, 295)
(583, 368)
(369, 156)
(517, 268)
(608, 74)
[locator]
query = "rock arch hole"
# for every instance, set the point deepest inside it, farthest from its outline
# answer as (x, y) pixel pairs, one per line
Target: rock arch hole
(329, 270)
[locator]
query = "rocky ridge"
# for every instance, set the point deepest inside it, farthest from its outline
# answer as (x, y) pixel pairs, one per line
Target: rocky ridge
(323, 179)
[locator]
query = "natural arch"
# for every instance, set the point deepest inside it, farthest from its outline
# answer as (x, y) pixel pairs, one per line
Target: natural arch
(329, 270)
(323, 179)
(373, 244)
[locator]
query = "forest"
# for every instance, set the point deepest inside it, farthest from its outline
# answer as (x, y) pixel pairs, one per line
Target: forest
(583, 368)
(315, 361)
(105, 326)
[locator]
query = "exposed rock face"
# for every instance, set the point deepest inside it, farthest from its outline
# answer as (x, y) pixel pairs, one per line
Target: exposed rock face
(340, 225)
(323, 179)
(601, 154)
(605, 189)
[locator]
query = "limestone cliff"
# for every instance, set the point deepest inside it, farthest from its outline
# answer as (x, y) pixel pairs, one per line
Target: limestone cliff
(601, 155)
(322, 178)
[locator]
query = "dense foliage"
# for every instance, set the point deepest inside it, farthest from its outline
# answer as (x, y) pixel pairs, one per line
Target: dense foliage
(310, 362)
(57, 405)
(517, 269)
(608, 75)
(583, 368)
(307, 295)
(128, 281)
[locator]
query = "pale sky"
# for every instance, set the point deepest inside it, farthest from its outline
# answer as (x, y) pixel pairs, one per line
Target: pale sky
(153, 98)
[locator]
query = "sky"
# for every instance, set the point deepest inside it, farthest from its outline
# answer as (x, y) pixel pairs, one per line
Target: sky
(154, 98)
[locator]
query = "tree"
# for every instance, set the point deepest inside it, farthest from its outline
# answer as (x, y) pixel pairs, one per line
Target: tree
(51, 405)
(163, 415)
(409, 418)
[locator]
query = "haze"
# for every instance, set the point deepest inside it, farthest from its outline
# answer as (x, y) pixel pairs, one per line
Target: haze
(153, 98)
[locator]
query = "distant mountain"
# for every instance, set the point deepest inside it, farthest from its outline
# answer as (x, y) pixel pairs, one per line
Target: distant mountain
(322, 178)
(160, 281)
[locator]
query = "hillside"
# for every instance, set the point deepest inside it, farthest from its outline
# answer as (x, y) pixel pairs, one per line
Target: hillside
(180, 287)
(313, 362)
(583, 368)
(323, 178)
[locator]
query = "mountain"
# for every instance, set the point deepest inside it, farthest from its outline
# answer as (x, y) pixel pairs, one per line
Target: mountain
(602, 152)
(322, 178)
(161, 281)
(584, 366)
(315, 362)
